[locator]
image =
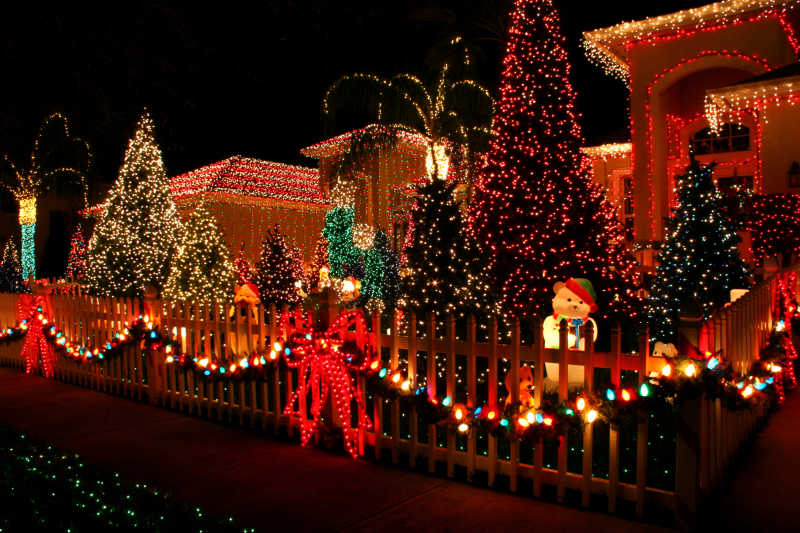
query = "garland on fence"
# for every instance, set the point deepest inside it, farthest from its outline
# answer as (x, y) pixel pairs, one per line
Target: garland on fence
(332, 358)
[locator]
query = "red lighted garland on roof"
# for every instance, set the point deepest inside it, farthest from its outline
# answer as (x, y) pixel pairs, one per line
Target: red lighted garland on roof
(245, 176)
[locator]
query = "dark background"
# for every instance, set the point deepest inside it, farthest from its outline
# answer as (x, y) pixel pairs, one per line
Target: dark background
(248, 78)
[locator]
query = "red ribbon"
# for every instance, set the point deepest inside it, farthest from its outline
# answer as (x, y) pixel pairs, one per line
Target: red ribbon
(325, 362)
(35, 342)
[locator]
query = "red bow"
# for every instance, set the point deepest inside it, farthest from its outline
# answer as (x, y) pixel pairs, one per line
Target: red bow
(325, 360)
(35, 344)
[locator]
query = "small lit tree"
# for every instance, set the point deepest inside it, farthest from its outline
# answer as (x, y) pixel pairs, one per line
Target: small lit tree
(76, 262)
(242, 268)
(201, 269)
(276, 271)
(10, 269)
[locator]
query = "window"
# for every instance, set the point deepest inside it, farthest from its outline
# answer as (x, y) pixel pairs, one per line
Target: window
(731, 138)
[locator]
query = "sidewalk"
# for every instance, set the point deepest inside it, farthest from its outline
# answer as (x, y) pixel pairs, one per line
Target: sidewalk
(763, 493)
(273, 486)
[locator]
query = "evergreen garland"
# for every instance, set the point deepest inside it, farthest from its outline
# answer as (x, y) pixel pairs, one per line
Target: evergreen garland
(699, 260)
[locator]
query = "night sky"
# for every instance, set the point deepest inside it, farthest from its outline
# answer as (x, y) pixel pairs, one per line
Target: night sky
(228, 77)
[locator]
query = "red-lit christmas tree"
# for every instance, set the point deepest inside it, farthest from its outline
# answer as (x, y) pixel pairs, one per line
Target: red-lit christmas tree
(76, 262)
(536, 210)
(242, 268)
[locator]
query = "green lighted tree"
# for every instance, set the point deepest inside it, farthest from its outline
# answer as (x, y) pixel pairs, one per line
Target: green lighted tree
(699, 261)
(201, 269)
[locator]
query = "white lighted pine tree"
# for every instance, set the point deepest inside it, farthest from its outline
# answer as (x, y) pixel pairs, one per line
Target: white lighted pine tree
(10, 269)
(138, 231)
(699, 262)
(202, 269)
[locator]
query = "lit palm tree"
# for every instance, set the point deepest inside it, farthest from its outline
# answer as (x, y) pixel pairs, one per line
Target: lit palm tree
(54, 150)
(452, 111)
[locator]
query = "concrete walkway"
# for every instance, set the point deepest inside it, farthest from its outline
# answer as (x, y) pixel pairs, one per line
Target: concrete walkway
(764, 491)
(264, 483)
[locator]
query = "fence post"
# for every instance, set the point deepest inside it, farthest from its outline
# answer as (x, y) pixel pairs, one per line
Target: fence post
(642, 429)
(687, 459)
(155, 358)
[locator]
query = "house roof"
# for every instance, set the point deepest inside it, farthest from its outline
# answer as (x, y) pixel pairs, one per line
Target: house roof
(247, 177)
(341, 143)
(608, 151)
(610, 46)
(778, 86)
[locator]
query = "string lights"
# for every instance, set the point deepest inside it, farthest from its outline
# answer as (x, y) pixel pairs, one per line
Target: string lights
(248, 196)
(139, 228)
(699, 261)
(610, 48)
(727, 104)
(536, 211)
(76, 261)
(450, 113)
(28, 185)
(201, 268)
(10, 269)
(608, 151)
(444, 269)
(774, 224)
(277, 271)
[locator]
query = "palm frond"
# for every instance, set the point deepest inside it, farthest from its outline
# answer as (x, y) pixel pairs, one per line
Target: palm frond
(356, 94)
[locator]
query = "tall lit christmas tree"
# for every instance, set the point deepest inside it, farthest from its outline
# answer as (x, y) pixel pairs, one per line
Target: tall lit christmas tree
(536, 211)
(276, 271)
(139, 229)
(699, 261)
(76, 262)
(10, 269)
(446, 272)
(201, 269)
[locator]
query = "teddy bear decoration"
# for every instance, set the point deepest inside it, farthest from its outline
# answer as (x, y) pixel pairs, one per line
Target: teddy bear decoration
(573, 301)
(525, 387)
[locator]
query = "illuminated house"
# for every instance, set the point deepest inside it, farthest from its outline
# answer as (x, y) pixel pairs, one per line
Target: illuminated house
(709, 79)
(382, 192)
(249, 196)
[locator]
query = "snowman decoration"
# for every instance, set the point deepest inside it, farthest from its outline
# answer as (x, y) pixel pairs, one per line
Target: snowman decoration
(573, 302)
